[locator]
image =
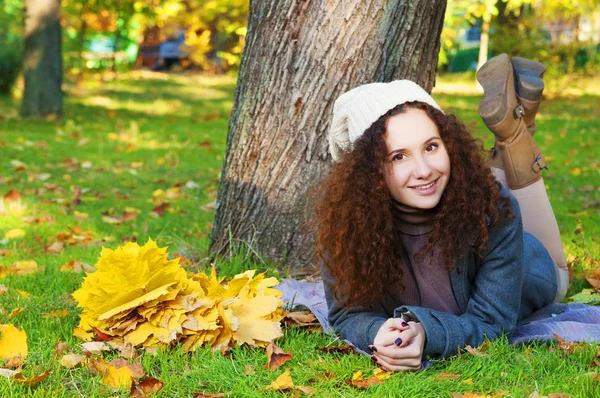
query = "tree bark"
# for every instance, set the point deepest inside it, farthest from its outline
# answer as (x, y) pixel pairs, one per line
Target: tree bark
(300, 55)
(42, 61)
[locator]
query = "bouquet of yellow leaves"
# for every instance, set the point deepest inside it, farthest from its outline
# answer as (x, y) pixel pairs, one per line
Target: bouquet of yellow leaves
(138, 296)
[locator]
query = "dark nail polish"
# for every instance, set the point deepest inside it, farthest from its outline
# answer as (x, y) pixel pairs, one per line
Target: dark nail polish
(374, 358)
(373, 348)
(398, 341)
(404, 324)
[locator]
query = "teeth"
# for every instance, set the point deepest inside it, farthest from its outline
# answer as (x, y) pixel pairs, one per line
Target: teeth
(426, 186)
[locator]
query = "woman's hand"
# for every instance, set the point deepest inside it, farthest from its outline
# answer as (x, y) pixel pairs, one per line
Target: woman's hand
(398, 345)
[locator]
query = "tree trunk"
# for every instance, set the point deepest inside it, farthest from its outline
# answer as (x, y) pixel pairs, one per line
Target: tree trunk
(42, 61)
(299, 56)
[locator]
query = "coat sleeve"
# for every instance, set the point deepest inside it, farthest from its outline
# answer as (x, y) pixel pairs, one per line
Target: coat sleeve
(358, 325)
(494, 298)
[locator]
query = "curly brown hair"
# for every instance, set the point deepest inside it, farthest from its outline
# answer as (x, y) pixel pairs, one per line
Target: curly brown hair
(357, 238)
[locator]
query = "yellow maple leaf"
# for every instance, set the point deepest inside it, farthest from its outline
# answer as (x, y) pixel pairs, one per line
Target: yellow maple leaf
(252, 328)
(126, 278)
(72, 360)
(14, 233)
(118, 377)
(283, 382)
(13, 342)
(82, 334)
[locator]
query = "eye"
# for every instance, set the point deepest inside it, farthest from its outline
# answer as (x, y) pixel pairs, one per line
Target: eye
(398, 156)
(431, 147)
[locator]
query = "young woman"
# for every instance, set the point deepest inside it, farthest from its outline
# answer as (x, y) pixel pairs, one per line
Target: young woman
(424, 248)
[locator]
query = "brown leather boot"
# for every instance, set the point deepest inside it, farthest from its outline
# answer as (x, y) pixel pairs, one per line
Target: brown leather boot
(515, 148)
(529, 86)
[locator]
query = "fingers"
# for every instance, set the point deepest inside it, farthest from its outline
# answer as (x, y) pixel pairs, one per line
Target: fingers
(404, 366)
(390, 331)
(394, 355)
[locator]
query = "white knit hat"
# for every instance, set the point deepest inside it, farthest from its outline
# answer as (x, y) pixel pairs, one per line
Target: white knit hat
(357, 109)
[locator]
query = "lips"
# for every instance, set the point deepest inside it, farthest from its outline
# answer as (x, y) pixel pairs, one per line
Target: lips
(425, 186)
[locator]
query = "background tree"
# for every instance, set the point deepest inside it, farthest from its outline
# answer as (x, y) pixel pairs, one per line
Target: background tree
(299, 57)
(42, 59)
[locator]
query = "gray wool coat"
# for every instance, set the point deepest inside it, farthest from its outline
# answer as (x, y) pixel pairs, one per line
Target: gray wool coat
(513, 282)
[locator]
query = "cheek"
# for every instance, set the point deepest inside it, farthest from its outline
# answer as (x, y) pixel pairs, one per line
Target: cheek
(397, 177)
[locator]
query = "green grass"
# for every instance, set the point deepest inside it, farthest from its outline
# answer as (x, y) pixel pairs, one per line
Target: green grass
(148, 131)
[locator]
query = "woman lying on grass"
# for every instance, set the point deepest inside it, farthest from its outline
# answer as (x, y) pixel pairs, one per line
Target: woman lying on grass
(425, 248)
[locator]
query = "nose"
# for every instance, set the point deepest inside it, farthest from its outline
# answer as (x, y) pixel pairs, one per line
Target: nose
(422, 169)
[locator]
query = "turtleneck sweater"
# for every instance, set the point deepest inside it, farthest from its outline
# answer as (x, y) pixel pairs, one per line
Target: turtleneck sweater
(425, 278)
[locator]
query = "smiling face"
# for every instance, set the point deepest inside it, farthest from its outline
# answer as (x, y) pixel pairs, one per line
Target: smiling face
(417, 163)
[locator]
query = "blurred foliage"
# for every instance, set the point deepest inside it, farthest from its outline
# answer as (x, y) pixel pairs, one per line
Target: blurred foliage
(216, 32)
(106, 33)
(11, 43)
(518, 28)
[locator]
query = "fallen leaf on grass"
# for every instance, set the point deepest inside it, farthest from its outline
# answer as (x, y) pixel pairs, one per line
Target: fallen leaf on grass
(95, 347)
(82, 334)
(474, 351)
(567, 347)
(19, 268)
(446, 375)
(55, 247)
(15, 312)
(381, 374)
(118, 377)
(276, 357)
(14, 233)
(3, 289)
(249, 370)
(59, 348)
(71, 360)
(145, 387)
(536, 394)
(282, 383)
(57, 314)
(358, 381)
(209, 395)
(300, 318)
(5, 252)
(343, 349)
(18, 377)
(76, 266)
(13, 342)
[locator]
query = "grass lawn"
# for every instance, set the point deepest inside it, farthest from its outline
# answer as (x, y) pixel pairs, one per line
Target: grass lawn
(140, 158)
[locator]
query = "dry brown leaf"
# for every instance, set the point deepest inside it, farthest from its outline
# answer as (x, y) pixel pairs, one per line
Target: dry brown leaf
(565, 346)
(358, 381)
(76, 266)
(276, 357)
(59, 348)
(71, 360)
(474, 351)
(342, 349)
(249, 370)
(446, 375)
(57, 314)
(146, 387)
(300, 318)
(15, 312)
(18, 377)
(55, 247)
(15, 362)
(95, 347)
(209, 395)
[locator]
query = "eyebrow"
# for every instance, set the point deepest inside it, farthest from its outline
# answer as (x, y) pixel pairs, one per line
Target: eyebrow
(426, 142)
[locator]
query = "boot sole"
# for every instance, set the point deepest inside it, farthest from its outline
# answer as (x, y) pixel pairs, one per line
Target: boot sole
(494, 76)
(528, 78)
